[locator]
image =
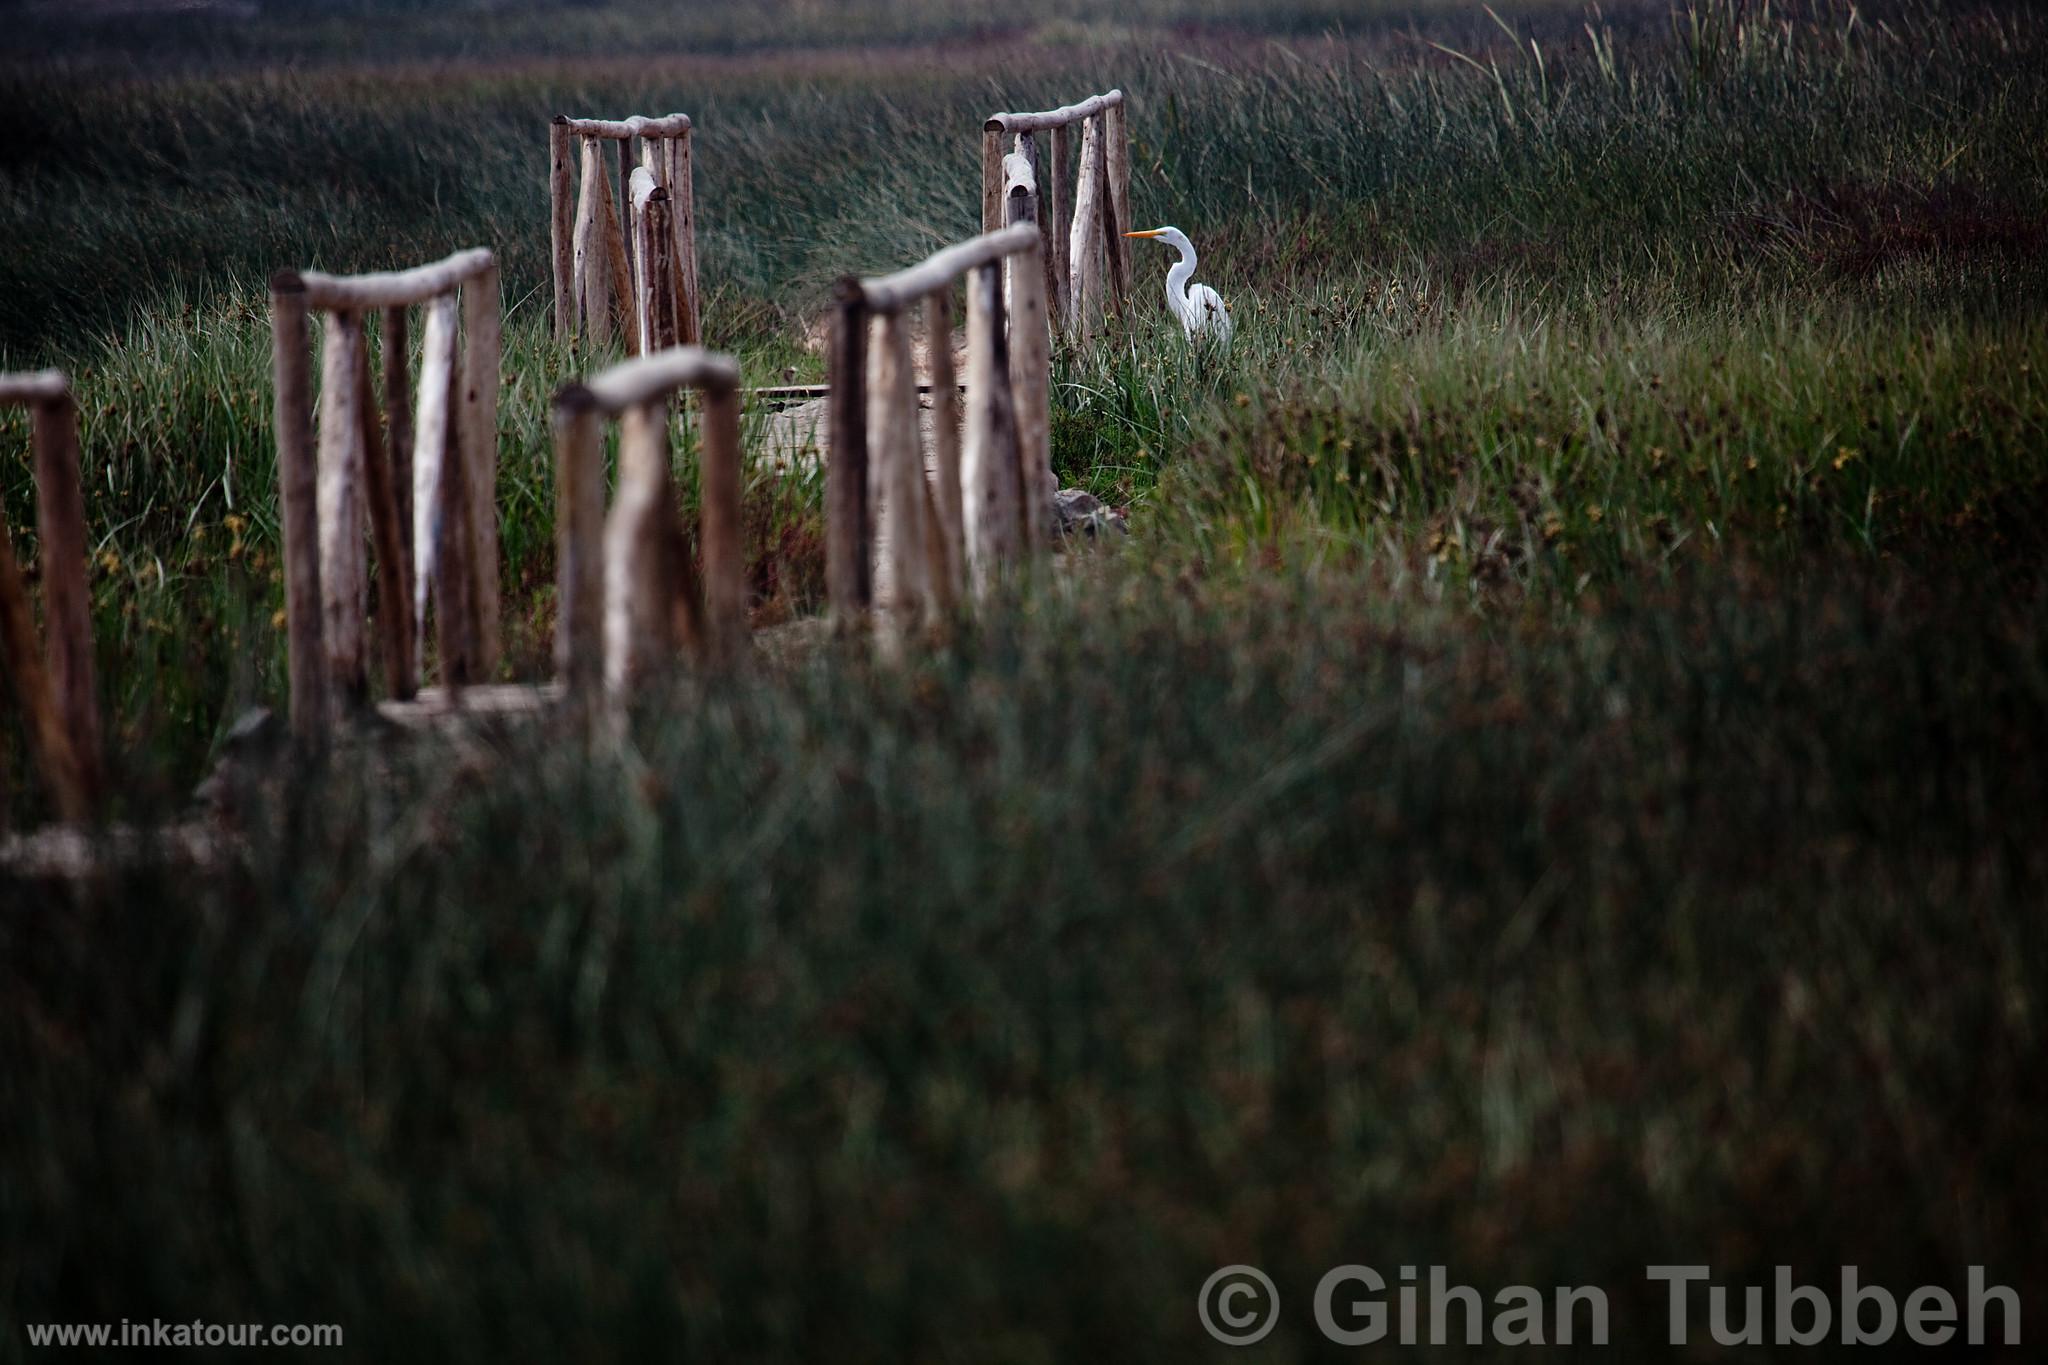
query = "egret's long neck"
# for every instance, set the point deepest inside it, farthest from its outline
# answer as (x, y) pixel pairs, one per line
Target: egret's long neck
(1177, 282)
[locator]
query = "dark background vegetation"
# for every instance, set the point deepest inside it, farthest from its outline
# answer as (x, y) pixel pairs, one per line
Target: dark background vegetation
(1551, 787)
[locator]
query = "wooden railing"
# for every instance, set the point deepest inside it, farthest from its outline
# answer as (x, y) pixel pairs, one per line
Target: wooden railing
(930, 541)
(427, 480)
(600, 242)
(58, 701)
(627, 609)
(1084, 248)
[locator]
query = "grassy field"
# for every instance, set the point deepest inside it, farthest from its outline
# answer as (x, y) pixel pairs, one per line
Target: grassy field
(1550, 786)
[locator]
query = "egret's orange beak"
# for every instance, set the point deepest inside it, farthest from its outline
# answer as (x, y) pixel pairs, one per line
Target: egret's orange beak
(1149, 232)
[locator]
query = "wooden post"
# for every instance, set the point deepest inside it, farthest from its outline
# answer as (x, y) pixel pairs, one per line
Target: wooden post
(592, 309)
(938, 330)
(847, 581)
(394, 603)
(579, 541)
(723, 537)
(1027, 147)
(682, 196)
(615, 256)
(903, 589)
(638, 552)
(652, 231)
(1085, 247)
(67, 605)
(625, 211)
(440, 530)
(342, 576)
(1053, 204)
(42, 722)
(561, 235)
(481, 329)
(292, 424)
(992, 178)
(1117, 159)
(398, 442)
(989, 460)
(1031, 386)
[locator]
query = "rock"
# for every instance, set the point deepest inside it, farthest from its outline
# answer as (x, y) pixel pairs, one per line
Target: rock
(1079, 513)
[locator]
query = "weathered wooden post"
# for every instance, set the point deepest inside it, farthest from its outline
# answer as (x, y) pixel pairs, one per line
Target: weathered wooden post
(561, 225)
(50, 748)
(1030, 345)
(297, 481)
(1085, 248)
(848, 584)
(579, 534)
(481, 345)
(722, 536)
(342, 577)
(641, 563)
(398, 438)
(653, 232)
(992, 175)
(904, 591)
(380, 495)
(440, 524)
(67, 605)
(57, 696)
(1117, 166)
(682, 196)
(948, 535)
(989, 465)
(1053, 200)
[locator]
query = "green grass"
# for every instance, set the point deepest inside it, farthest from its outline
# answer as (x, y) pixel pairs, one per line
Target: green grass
(1547, 788)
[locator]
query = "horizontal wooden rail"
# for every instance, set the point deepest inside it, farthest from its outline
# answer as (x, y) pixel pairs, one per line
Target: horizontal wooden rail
(668, 125)
(633, 382)
(1054, 118)
(389, 289)
(36, 386)
(892, 293)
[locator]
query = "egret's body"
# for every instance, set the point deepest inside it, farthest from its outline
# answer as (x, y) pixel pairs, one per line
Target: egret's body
(1199, 308)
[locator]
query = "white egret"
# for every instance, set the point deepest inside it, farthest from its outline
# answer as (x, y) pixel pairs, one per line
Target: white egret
(1199, 308)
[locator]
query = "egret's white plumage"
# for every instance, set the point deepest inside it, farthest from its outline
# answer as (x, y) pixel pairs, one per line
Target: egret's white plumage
(1199, 308)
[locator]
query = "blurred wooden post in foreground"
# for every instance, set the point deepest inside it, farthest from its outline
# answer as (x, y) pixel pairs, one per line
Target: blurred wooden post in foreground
(598, 244)
(629, 603)
(56, 693)
(439, 464)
